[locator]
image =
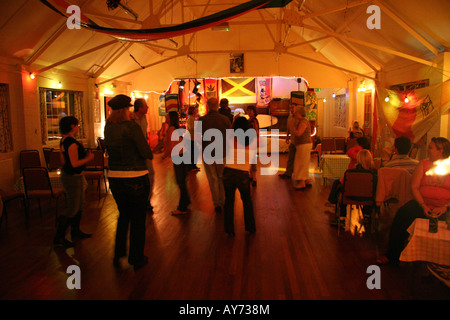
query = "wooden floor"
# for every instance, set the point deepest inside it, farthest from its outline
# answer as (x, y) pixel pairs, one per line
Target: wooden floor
(294, 255)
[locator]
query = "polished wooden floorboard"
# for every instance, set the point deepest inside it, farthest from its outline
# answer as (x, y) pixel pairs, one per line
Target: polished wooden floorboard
(294, 255)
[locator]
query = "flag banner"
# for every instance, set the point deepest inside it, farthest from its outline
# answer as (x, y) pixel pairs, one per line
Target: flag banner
(239, 90)
(311, 105)
(264, 92)
(211, 88)
(171, 102)
(162, 105)
(413, 113)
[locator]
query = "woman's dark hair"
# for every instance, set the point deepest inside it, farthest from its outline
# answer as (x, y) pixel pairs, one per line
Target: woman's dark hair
(442, 144)
(363, 142)
(65, 124)
(252, 108)
(174, 119)
(244, 124)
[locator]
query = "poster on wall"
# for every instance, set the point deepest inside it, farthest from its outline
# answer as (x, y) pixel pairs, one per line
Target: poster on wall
(264, 92)
(237, 63)
(162, 105)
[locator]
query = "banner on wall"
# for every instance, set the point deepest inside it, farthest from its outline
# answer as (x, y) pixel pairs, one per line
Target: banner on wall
(239, 90)
(171, 102)
(415, 116)
(211, 88)
(311, 105)
(264, 92)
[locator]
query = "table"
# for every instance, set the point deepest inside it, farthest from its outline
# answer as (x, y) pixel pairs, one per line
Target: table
(426, 246)
(334, 165)
(55, 181)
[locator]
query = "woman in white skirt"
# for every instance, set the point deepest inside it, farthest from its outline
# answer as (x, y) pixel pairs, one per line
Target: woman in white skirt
(303, 146)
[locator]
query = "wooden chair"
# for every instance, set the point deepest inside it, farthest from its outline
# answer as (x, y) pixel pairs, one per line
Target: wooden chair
(359, 189)
(29, 158)
(8, 196)
(95, 169)
(37, 186)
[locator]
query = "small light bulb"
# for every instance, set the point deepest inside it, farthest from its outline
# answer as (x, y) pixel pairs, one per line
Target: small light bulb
(59, 85)
(324, 100)
(406, 100)
(32, 76)
(386, 99)
(334, 95)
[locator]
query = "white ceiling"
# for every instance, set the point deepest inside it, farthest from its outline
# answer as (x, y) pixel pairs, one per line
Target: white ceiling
(412, 31)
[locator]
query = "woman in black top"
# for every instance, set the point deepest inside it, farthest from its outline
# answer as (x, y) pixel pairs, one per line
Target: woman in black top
(74, 183)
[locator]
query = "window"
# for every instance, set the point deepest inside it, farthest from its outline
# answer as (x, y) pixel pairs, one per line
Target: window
(56, 104)
(5, 128)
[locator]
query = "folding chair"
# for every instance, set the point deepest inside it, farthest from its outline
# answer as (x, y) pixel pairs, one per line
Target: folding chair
(37, 186)
(56, 160)
(340, 145)
(95, 169)
(29, 158)
(359, 189)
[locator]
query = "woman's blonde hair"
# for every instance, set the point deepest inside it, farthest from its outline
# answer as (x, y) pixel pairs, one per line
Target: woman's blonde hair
(365, 159)
(120, 115)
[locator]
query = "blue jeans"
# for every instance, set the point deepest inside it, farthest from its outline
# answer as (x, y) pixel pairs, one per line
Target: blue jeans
(131, 195)
(237, 179)
(75, 186)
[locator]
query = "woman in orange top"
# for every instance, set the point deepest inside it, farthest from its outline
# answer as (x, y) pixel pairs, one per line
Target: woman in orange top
(431, 199)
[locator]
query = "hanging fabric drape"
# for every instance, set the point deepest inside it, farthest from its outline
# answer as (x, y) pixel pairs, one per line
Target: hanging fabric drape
(414, 117)
(60, 6)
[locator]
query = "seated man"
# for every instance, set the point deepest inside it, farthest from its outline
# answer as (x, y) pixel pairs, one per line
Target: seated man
(400, 158)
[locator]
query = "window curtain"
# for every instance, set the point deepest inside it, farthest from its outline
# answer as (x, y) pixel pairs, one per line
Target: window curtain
(43, 115)
(5, 129)
(79, 113)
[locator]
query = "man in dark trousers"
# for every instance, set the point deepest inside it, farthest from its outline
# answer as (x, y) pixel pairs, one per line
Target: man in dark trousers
(214, 167)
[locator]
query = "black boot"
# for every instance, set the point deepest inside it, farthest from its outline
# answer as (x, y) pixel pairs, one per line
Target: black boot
(60, 237)
(75, 228)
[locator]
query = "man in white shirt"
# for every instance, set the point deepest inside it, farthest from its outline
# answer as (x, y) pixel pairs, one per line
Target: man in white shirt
(139, 116)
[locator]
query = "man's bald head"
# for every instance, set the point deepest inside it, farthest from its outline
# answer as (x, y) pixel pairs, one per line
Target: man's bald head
(212, 104)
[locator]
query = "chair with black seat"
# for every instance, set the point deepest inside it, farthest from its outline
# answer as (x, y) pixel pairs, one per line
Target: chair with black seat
(29, 158)
(95, 169)
(37, 186)
(359, 189)
(8, 196)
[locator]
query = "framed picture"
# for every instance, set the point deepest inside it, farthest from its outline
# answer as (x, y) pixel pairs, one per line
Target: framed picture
(237, 63)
